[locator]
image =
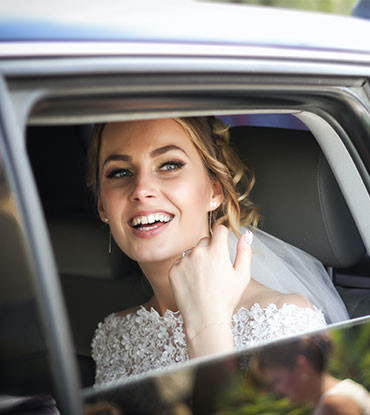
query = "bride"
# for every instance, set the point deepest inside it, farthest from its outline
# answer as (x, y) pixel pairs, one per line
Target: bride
(171, 191)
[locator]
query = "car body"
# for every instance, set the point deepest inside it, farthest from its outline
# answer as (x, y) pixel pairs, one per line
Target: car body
(62, 71)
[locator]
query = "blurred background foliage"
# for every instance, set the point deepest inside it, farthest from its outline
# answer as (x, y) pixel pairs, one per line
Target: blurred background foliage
(351, 354)
(327, 6)
(350, 358)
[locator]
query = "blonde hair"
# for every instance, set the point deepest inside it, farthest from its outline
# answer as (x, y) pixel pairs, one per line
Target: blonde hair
(211, 138)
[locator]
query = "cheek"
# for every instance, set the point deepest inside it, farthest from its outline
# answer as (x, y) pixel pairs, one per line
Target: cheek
(110, 199)
(294, 389)
(194, 194)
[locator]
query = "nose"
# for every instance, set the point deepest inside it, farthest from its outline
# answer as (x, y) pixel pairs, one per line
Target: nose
(144, 187)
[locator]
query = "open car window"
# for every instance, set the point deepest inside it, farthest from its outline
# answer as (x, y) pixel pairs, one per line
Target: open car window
(96, 282)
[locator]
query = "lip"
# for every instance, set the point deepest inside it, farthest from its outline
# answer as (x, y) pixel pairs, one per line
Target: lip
(157, 228)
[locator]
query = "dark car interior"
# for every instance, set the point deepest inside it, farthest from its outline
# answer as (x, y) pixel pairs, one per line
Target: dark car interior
(300, 202)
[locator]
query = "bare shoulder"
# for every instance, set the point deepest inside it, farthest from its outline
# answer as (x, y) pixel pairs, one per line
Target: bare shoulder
(265, 296)
(340, 405)
(148, 305)
(293, 298)
(130, 310)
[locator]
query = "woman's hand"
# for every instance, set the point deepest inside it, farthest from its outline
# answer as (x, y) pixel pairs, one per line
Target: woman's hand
(208, 287)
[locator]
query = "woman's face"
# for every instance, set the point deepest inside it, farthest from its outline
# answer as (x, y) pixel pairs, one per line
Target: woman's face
(154, 189)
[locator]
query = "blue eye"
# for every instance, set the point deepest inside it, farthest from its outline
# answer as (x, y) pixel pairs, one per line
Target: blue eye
(171, 165)
(118, 173)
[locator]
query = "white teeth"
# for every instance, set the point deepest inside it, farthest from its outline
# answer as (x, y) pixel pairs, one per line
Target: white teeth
(153, 217)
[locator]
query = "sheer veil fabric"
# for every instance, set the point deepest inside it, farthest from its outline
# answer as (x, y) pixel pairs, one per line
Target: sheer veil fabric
(287, 269)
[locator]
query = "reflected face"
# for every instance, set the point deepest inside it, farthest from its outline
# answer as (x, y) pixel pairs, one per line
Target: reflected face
(288, 382)
(154, 189)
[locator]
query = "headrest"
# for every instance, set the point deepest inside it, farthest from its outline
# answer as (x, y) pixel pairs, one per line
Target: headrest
(299, 199)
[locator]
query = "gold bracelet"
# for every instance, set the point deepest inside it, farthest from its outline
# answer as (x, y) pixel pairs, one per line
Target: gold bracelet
(216, 323)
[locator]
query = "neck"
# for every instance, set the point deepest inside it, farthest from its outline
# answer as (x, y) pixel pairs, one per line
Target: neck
(326, 382)
(157, 274)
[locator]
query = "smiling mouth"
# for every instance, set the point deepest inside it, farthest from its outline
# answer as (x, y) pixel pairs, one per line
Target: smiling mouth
(149, 222)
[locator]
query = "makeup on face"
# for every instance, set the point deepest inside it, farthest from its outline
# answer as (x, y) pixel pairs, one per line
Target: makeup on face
(154, 188)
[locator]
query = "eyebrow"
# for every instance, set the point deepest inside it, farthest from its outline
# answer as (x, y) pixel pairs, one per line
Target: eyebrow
(157, 152)
(165, 149)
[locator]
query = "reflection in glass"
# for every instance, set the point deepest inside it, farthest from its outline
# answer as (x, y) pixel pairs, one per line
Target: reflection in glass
(286, 377)
(298, 370)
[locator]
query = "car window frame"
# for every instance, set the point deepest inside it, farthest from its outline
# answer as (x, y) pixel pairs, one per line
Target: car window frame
(21, 94)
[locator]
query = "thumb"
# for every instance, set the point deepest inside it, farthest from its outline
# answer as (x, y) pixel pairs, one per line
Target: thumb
(243, 257)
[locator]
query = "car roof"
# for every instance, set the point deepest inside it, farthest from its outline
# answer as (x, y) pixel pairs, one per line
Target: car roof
(183, 22)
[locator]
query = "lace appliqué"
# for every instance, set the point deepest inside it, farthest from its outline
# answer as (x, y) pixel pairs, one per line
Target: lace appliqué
(136, 343)
(141, 341)
(260, 325)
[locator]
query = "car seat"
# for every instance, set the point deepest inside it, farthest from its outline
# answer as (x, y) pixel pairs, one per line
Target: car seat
(301, 203)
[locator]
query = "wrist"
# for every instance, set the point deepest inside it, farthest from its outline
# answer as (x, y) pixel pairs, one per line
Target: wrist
(213, 337)
(198, 321)
(211, 326)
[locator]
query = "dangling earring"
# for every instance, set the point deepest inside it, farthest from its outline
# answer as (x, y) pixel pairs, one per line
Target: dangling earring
(110, 242)
(210, 215)
(106, 220)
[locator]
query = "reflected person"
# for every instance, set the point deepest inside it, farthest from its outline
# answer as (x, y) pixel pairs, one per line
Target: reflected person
(298, 370)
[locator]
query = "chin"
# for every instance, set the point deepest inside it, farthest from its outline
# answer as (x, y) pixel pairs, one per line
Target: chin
(154, 256)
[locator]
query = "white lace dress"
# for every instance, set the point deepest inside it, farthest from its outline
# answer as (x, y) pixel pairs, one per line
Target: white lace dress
(142, 341)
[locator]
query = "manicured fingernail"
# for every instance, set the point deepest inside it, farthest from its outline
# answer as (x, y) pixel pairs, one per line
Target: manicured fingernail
(248, 237)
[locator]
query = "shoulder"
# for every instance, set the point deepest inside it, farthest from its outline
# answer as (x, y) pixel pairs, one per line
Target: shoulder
(131, 310)
(294, 311)
(113, 325)
(265, 296)
(112, 319)
(294, 299)
(339, 405)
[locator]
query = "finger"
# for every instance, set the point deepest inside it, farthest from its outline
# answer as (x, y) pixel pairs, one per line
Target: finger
(243, 257)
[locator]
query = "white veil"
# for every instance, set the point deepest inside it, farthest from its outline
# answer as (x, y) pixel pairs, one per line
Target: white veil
(287, 269)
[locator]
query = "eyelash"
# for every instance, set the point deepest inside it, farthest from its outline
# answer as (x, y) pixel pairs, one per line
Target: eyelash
(121, 172)
(117, 174)
(176, 164)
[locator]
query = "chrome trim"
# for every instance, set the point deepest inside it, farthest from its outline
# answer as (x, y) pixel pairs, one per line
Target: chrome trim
(105, 49)
(168, 65)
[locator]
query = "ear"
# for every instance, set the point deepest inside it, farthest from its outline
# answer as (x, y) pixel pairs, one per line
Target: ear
(217, 196)
(101, 211)
(302, 363)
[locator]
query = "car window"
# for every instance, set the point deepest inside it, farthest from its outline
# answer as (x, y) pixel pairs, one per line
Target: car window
(114, 282)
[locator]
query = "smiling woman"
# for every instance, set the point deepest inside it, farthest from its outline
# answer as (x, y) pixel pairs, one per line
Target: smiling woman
(169, 190)
(148, 169)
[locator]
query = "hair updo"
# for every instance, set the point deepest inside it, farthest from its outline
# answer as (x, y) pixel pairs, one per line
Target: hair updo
(211, 138)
